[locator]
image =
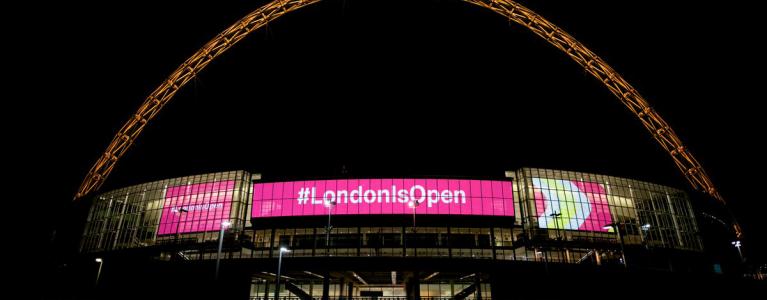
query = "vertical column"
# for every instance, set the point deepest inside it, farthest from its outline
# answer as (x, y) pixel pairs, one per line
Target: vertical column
(314, 238)
(495, 286)
(340, 294)
(326, 286)
(449, 246)
(404, 242)
(478, 284)
(266, 289)
(350, 290)
(412, 286)
(599, 257)
(271, 243)
(452, 287)
(253, 234)
(492, 241)
(500, 289)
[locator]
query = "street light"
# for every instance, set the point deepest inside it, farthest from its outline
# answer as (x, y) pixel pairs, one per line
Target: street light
(413, 204)
(329, 204)
(556, 216)
(98, 274)
(617, 228)
(279, 270)
(645, 231)
(178, 223)
(223, 226)
(737, 245)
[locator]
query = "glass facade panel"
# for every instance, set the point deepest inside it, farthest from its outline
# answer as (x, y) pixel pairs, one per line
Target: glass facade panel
(172, 211)
(573, 206)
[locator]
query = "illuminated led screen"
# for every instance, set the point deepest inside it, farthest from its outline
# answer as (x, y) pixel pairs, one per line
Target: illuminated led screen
(581, 205)
(383, 197)
(196, 207)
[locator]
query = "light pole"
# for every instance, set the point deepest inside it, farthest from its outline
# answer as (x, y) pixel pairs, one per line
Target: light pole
(98, 274)
(617, 228)
(279, 270)
(646, 232)
(329, 205)
(737, 245)
(223, 226)
(413, 204)
(556, 216)
(178, 223)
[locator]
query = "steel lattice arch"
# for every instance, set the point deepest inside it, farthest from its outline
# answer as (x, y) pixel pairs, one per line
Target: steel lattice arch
(515, 12)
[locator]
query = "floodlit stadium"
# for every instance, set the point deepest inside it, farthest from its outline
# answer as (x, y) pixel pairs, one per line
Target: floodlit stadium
(396, 237)
(252, 235)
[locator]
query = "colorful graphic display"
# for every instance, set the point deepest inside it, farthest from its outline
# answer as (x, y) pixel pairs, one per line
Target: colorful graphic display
(580, 205)
(196, 207)
(383, 197)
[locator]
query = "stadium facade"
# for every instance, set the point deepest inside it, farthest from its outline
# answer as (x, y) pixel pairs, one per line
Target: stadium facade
(396, 238)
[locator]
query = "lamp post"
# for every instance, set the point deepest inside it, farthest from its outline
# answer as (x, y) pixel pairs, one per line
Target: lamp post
(223, 226)
(645, 232)
(98, 274)
(556, 216)
(413, 204)
(737, 245)
(279, 270)
(329, 205)
(617, 228)
(178, 223)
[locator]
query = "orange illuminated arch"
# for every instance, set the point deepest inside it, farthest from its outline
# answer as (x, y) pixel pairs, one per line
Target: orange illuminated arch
(515, 12)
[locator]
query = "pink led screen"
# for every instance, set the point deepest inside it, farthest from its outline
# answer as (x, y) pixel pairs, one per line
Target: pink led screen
(580, 205)
(196, 207)
(383, 197)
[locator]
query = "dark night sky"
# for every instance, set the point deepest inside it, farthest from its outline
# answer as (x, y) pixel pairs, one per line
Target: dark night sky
(384, 88)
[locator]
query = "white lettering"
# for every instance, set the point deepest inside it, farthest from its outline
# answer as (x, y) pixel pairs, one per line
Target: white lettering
(370, 196)
(329, 197)
(433, 197)
(463, 195)
(447, 196)
(381, 193)
(423, 193)
(402, 196)
(358, 191)
(315, 201)
(343, 197)
(196, 207)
